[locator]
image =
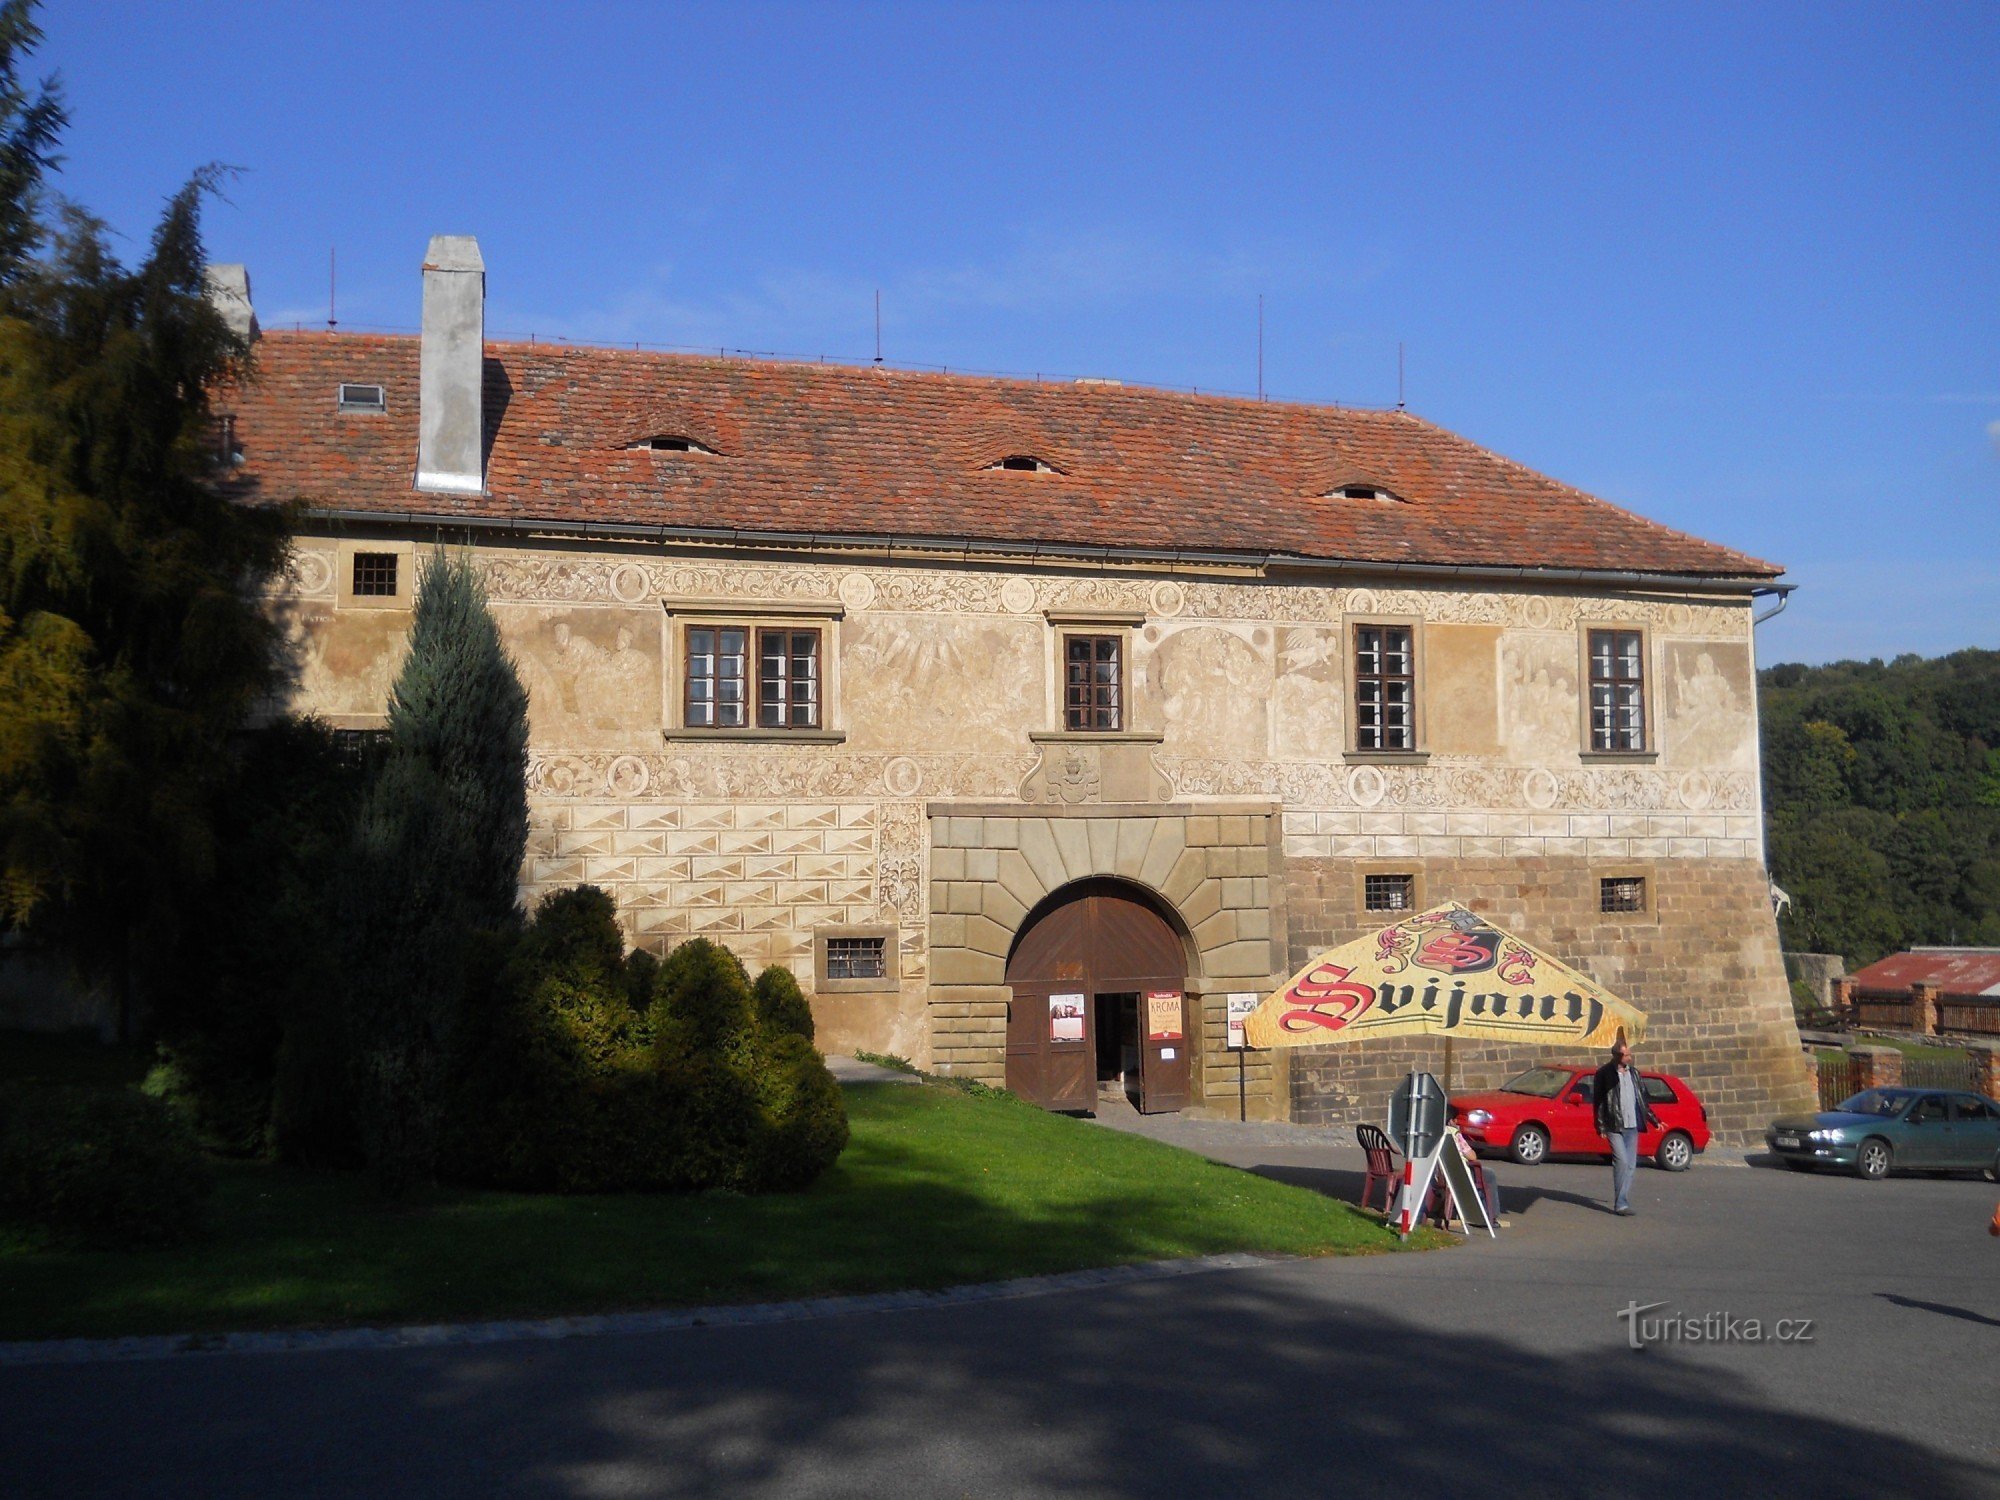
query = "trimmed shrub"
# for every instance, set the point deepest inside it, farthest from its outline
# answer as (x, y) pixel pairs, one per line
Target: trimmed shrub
(571, 1088)
(640, 971)
(803, 1117)
(701, 998)
(781, 1004)
(101, 1166)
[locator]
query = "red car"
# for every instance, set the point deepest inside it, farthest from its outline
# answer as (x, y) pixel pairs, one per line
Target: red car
(1546, 1112)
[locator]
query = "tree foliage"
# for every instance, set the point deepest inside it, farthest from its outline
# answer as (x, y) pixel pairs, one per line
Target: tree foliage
(131, 645)
(1882, 792)
(436, 860)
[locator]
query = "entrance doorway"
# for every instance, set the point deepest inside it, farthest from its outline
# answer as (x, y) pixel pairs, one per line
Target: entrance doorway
(1098, 977)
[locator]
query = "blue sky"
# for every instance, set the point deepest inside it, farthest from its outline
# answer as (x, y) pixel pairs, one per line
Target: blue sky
(1737, 267)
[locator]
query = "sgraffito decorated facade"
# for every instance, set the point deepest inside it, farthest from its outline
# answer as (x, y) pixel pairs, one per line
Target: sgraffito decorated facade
(959, 695)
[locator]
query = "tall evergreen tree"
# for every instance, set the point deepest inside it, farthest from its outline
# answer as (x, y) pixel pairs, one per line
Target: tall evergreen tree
(131, 645)
(437, 859)
(460, 708)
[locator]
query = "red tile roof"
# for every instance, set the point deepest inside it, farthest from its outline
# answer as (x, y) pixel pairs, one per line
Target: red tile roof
(861, 451)
(1954, 971)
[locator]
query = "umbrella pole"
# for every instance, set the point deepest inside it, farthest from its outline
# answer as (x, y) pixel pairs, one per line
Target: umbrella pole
(1447, 1063)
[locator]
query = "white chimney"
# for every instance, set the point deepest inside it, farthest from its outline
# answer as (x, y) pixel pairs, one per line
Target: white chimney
(229, 294)
(451, 428)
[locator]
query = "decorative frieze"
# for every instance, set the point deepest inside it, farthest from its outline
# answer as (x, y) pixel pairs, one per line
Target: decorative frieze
(564, 578)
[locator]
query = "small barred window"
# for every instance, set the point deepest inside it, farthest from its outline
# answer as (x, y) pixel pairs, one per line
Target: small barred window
(1622, 893)
(375, 574)
(856, 958)
(1389, 892)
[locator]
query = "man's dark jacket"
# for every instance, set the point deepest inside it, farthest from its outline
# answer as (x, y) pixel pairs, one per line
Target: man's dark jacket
(1604, 1088)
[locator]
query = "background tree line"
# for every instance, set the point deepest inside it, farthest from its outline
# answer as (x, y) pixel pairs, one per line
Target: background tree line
(1882, 800)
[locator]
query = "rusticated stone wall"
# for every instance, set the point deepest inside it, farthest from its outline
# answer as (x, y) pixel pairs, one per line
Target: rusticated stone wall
(1209, 865)
(1702, 963)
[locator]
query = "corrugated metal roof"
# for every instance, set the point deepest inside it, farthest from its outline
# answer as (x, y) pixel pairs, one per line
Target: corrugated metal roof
(1954, 971)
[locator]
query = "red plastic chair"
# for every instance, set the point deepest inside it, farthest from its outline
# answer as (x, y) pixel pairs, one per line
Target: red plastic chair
(1382, 1166)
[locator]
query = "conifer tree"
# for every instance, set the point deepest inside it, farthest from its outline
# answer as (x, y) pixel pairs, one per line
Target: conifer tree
(437, 860)
(131, 645)
(459, 706)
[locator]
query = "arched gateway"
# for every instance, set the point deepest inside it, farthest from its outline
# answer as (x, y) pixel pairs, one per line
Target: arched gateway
(1098, 978)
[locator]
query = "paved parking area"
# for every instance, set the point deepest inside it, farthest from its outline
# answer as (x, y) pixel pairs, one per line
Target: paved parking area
(1499, 1368)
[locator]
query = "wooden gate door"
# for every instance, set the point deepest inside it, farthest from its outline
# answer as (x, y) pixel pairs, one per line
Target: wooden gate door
(1094, 937)
(1163, 1051)
(1051, 1054)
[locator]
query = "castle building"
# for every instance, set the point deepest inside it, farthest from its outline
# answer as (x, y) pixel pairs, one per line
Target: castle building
(1027, 722)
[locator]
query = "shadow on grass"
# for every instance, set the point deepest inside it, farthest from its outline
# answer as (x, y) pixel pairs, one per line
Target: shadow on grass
(1259, 1384)
(934, 1190)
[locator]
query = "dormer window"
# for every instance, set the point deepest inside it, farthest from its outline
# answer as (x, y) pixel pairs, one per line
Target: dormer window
(668, 442)
(1360, 489)
(1024, 463)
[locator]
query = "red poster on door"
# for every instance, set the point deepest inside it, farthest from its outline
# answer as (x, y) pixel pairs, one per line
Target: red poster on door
(1163, 1015)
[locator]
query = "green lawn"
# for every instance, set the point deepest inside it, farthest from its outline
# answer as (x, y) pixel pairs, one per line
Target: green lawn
(935, 1189)
(1920, 1050)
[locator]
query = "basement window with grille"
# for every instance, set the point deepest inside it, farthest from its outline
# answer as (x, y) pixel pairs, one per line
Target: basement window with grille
(362, 398)
(855, 961)
(1389, 892)
(375, 575)
(856, 957)
(1622, 893)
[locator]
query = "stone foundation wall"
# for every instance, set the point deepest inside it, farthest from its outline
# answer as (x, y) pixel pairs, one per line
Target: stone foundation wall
(1702, 962)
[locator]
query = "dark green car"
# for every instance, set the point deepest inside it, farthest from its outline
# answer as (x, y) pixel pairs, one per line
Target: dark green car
(1881, 1130)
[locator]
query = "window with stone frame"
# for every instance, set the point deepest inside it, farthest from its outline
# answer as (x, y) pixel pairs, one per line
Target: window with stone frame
(375, 575)
(717, 681)
(1622, 893)
(1093, 683)
(856, 957)
(1389, 892)
(1617, 691)
(788, 678)
(1385, 687)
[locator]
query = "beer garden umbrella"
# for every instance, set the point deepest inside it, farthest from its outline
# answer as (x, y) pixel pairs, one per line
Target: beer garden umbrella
(1446, 972)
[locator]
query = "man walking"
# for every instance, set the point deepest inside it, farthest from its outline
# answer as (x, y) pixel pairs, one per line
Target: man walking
(1622, 1112)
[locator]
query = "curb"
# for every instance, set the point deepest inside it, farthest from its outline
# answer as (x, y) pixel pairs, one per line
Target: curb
(747, 1315)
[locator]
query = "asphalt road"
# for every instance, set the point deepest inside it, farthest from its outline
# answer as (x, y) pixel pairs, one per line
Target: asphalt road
(1495, 1369)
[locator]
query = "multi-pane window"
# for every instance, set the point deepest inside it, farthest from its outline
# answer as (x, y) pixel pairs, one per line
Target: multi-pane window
(1617, 690)
(1622, 893)
(788, 679)
(375, 574)
(718, 691)
(717, 659)
(1389, 892)
(856, 958)
(1385, 688)
(1093, 690)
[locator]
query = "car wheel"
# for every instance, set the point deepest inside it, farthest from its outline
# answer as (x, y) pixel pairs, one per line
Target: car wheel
(1675, 1153)
(1993, 1172)
(1531, 1145)
(1872, 1160)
